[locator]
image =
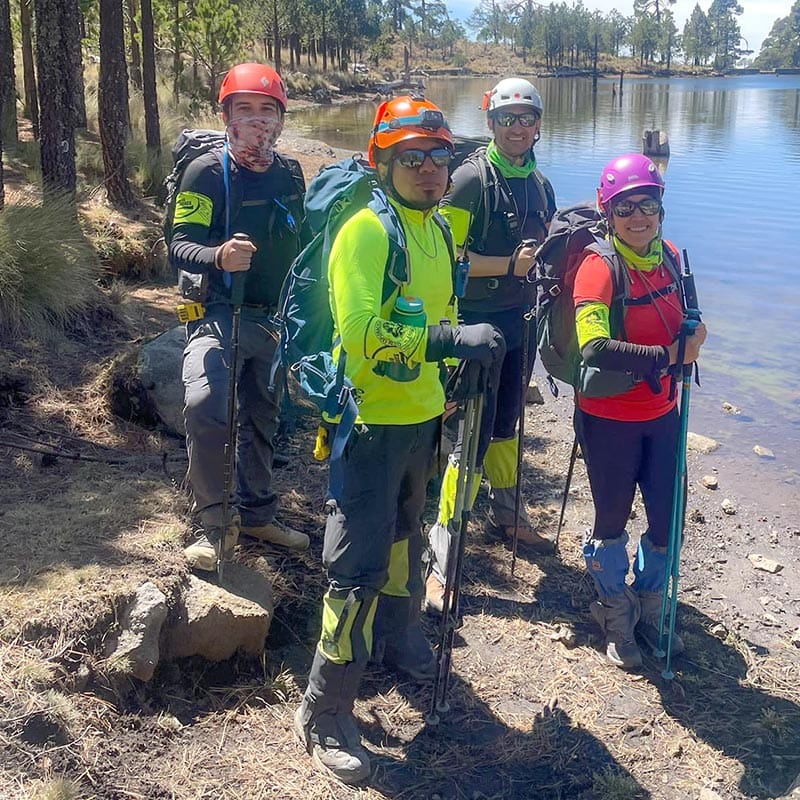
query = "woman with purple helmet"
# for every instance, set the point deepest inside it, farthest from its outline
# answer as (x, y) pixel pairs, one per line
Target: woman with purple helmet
(631, 438)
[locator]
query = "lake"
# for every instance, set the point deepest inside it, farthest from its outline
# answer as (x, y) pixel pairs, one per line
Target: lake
(733, 183)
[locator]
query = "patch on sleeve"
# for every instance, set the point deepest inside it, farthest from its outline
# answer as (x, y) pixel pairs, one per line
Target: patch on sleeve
(592, 322)
(194, 208)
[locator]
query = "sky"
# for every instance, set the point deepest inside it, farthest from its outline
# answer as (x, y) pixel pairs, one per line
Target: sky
(755, 23)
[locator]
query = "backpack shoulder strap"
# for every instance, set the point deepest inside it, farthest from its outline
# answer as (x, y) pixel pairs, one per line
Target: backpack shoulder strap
(292, 166)
(488, 179)
(620, 283)
(446, 233)
(673, 264)
(396, 273)
(451, 247)
(545, 196)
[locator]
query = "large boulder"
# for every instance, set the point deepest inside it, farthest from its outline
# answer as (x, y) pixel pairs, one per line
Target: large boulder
(158, 370)
(214, 622)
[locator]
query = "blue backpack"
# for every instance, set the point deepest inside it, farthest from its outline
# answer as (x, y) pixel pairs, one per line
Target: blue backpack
(304, 313)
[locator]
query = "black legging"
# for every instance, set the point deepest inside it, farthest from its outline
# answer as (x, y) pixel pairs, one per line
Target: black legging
(620, 455)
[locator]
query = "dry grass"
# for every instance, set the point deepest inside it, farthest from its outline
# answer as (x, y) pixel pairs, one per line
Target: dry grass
(46, 281)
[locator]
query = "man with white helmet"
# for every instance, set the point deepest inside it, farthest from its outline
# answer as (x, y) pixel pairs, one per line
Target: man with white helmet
(498, 199)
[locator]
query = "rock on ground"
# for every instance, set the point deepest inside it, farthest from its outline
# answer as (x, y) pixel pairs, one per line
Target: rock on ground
(159, 372)
(215, 622)
(137, 646)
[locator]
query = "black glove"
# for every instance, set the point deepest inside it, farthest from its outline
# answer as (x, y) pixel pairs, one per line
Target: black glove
(470, 379)
(482, 342)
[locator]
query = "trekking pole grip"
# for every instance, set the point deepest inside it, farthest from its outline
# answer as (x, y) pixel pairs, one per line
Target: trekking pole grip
(235, 280)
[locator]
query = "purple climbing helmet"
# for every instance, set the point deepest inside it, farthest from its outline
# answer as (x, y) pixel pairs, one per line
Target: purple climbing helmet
(632, 171)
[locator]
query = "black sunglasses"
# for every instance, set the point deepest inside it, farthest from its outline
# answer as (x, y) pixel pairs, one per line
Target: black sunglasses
(414, 159)
(505, 119)
(625, 208)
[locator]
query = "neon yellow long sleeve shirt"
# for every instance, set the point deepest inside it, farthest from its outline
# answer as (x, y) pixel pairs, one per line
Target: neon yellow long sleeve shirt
(356, 270)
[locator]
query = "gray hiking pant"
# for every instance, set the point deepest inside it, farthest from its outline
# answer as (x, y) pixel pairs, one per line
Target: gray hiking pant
(206, 381)
(373, 540)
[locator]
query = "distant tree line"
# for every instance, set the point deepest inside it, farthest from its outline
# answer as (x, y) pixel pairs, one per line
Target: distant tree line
(782, 47)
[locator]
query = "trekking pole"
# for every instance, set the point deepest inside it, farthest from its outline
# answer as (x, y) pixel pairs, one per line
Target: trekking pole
(572, 458)
(669, 599)
(523, 394)
(235, 282)
(455, 556)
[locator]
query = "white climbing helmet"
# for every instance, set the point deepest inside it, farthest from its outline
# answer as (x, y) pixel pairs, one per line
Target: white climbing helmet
(512, 91)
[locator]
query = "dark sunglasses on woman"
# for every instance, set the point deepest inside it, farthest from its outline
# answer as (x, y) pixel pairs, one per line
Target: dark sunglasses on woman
(625, 208)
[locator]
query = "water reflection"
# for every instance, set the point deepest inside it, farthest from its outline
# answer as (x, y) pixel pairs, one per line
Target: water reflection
(731, 187)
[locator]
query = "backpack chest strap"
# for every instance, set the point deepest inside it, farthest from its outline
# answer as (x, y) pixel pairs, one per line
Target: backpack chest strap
(650, 297)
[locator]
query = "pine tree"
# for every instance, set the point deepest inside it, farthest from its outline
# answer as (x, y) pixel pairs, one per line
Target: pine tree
(54, 48)
(8, 87)
(112, 103)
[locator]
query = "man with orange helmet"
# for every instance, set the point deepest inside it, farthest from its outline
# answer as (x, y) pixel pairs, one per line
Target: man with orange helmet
(247, 188)
(373, 536)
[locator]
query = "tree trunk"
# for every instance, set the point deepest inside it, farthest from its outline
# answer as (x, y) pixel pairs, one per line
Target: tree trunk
(324, 43)
(152, 127)
(136, 53)
(112, 103)
(2, 177)
(8, 86)
(72, 22)
(276, 41)
(57, 115)
(177, 64)
(28, 72)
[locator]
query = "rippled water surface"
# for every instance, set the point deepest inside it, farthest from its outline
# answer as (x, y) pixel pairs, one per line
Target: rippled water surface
(733, 194)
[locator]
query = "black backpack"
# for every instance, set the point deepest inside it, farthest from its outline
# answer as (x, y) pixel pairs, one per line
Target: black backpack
(573, 231)
(472, 149)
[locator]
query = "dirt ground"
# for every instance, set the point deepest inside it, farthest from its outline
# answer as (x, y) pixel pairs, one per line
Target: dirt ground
(536, 712)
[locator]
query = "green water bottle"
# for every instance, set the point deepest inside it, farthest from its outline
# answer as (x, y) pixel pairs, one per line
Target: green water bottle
(408, 311)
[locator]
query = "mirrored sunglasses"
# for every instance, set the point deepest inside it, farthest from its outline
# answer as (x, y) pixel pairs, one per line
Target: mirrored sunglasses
(506, 119)
(649, 207)
(414, 159)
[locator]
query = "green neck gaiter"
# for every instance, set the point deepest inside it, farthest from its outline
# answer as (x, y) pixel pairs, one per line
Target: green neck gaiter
(646, 263)
(507, 169)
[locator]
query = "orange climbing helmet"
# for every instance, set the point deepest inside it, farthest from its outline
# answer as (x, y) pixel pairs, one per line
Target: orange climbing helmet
(258, 78)
(407, 117)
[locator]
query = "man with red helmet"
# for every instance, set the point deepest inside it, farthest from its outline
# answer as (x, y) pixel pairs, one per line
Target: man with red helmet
(373, 536)
(248, 188)
(630, 439)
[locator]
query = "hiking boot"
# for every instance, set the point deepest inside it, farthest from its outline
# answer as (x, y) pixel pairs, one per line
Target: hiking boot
(334, 742)
(203, 553)
(527, 535)
(649, 620)
(434, 595)
(617, 616)
(277, 534)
